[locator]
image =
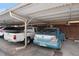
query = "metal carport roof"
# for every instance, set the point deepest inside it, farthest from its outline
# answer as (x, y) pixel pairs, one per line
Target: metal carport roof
(42, 13)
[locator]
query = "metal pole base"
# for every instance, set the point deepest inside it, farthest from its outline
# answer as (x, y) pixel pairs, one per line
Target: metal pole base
(19, 48)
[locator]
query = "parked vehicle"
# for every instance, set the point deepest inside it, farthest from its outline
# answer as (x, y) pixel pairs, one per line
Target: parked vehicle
(1, 32)
(16, 34)
(50, 37)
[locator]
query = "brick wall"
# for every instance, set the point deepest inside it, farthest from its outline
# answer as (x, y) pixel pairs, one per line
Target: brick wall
(71, 31)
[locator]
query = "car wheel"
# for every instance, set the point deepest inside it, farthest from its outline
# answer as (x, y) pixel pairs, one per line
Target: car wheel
(28, 40)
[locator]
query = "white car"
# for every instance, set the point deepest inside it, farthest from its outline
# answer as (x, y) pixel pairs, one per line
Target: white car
(1, 32)
(16, 34)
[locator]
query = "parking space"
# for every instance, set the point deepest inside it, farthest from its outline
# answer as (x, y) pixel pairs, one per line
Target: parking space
(47, 25)
(69, 48)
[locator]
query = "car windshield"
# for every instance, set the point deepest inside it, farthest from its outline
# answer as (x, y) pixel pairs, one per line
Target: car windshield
(48, 31)
(14, 29)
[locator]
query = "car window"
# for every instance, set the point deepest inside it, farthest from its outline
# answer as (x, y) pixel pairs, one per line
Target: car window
(48, 31)
(14, 29)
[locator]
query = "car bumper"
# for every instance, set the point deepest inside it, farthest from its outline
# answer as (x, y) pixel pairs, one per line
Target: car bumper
(46, 44)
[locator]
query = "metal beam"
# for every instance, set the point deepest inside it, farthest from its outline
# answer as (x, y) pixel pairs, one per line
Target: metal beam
(18, 17)
(15, 16)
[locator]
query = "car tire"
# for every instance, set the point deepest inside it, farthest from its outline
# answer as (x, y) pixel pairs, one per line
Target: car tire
(28, 40)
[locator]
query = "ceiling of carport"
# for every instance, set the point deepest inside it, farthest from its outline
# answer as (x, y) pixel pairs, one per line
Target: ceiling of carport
(6, 19)
(44, 12)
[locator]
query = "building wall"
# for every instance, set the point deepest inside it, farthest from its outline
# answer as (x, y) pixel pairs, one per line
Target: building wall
(71, 31)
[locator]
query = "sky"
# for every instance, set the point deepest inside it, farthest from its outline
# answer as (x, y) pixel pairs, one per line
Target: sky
(4, 6)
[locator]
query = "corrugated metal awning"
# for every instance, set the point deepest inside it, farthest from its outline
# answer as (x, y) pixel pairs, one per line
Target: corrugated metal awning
(42, 13)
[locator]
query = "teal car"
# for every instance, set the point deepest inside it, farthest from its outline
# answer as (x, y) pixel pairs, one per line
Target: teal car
(50, 37)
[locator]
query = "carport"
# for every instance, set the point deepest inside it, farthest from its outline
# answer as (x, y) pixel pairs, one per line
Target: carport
(40, 13)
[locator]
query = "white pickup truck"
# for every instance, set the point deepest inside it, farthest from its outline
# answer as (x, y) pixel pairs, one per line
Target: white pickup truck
(1, 31)
(16, 34)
